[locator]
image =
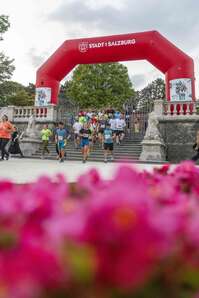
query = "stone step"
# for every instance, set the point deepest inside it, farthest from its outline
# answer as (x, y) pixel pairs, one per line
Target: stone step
(98, 159)
(93, 154)
(116, 147)
(129, 150)
(97, 144)
(99, 151)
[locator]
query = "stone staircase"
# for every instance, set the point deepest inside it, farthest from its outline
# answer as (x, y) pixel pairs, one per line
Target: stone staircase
(129, 150)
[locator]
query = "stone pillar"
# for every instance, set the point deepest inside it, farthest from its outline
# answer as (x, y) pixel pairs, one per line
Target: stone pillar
(10, 113)
(31, 141)
(159, 107)
(30, 146)
(153, 150)
(52, 113)
(153, 147)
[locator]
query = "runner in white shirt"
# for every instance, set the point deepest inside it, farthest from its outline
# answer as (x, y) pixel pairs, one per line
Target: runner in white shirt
(120, 126)
(112, 123)
(77, 126)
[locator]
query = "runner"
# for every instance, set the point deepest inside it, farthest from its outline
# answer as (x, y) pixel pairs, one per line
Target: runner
(123, 124)
(46, 133)
(61, 140)
(108, 143)
(56, 126)
(102, 125)
(120, 125)
(112, 122)
(77, 126)
(85, 134)
(91, 127)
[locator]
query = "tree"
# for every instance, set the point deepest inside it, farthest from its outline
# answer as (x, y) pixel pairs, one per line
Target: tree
(155, 90)
(13, 93)
(100, 85)
(30, 89)
(4, 25)
(6, 64)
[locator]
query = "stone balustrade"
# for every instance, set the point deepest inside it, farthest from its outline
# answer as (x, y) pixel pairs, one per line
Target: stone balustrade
(181, 108)
(22, 114)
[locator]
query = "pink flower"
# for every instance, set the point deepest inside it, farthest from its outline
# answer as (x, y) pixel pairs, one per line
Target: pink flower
(127, 244)
(187, 175)
(119, 227)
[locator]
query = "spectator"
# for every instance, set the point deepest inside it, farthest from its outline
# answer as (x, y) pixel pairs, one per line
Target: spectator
(15, 147)
(6, 128)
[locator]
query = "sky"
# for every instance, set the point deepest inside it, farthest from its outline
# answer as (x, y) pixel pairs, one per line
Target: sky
(39, 27)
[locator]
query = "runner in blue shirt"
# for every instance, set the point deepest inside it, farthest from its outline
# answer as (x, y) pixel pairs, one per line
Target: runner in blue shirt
(85, 134)
(108, 143)
(61, 139)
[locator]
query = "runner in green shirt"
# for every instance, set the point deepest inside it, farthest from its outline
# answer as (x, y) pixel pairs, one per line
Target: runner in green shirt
(46, 133)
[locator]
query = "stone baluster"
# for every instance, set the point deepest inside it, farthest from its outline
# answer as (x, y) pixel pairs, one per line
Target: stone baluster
(194, 108)
(174, 109)
(188, 112)
(169, 109)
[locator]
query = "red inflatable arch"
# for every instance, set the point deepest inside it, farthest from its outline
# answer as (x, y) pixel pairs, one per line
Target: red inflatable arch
(151, 46)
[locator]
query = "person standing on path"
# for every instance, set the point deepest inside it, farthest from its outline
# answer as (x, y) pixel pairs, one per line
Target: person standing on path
(15, 147)
(46, 133)
(6, 128)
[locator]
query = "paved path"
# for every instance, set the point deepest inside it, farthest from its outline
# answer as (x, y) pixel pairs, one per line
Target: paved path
(28, 170)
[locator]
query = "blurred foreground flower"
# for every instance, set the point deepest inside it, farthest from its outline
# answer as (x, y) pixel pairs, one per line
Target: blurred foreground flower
(134, 236)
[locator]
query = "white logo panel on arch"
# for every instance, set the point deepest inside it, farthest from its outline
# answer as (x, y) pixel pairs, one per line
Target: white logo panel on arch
(181, 90)
(42, 96)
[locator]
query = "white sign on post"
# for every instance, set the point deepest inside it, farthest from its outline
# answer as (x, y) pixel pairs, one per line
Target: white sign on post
(181, 90)
(43, 96)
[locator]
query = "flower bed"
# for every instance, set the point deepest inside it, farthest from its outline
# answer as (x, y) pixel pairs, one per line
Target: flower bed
(135, 236)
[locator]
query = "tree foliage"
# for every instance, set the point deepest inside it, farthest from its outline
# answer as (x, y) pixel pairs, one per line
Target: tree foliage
(155, 90)
(6, 64)
(13, 93)
(4, 25)
(100, 85)
(6, 67)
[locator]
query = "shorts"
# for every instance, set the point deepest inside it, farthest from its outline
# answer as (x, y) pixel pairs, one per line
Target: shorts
(84, 142)
(108, 146)
(119, 132)
(101, 130)
(76, 136)
(61, 145)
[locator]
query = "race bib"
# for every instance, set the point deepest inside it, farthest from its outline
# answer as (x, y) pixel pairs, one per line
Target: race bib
(60, 138)
(108, 136)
